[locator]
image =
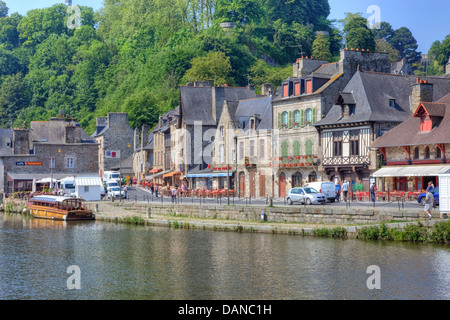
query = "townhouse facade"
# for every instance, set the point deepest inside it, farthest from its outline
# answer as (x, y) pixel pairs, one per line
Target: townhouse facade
(54, 149)
(305, 99)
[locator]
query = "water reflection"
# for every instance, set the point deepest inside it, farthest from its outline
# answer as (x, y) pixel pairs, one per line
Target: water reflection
(124, 262)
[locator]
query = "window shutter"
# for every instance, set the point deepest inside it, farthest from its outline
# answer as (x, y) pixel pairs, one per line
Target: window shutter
(314, 116)
(279, 120)
(290, 119)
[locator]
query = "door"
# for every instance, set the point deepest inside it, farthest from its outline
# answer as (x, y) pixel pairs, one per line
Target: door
(282, 185)
(262, 185)
(242, 185)
(252, 182)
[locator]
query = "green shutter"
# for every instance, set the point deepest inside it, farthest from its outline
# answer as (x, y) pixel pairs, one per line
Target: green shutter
(314, 116)
(296, 149)
(309, 150)
(279, 120)
(290, 119)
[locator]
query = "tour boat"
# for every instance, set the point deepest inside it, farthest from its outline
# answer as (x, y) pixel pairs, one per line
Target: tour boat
(58, 208)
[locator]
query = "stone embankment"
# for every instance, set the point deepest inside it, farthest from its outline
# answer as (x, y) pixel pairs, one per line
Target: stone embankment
(276, 220)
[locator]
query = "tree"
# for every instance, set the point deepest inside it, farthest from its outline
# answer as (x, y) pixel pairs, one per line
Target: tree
(14, 96)
(321, 48)
(215, 67)
(3, 9)
(385, 32)
(406, 44)
(383, 46)
(357, 34)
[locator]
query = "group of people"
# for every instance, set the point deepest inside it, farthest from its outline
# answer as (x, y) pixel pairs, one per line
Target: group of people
(345, 188)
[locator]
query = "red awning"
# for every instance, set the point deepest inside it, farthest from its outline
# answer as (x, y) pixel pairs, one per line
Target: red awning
(155, 170)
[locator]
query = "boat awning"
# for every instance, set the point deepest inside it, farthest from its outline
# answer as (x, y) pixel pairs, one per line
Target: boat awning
(171, 174)
(411, 171)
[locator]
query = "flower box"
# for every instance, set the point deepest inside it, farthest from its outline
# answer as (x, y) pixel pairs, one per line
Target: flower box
(304, 157)
(283, 165)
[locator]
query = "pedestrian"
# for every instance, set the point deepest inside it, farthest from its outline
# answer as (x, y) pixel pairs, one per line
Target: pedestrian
(345, 187)
(430, 186)
(155, 188)
(174, 194)
(125, 190)
(337, 189)
(151, 188)
(429, 204)
(373, 188)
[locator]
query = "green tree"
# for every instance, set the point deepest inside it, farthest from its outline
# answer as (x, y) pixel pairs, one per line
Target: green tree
(321, 48)
(215, 67)
(3, 9)
(357, 34)
(406, 44)
(14, 96)
(383, 46)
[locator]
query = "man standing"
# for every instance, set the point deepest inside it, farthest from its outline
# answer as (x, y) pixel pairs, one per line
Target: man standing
(373, 188)
(345, 187)
(429, 204)
(338, 192)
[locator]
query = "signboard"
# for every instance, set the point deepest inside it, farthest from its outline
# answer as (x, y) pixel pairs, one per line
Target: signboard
(23, 163)
(112, 154)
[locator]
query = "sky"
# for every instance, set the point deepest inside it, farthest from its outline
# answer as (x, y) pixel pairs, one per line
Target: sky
(427, 20)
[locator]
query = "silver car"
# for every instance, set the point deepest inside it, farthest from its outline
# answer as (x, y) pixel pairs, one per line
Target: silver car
(305, 196)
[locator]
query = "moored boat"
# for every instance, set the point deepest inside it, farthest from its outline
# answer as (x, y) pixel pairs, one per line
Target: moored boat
(58, 208)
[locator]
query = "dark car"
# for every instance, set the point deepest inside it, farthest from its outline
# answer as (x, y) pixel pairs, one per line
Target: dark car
(422, 197)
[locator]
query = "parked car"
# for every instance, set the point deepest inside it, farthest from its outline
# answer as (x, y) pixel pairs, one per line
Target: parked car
(421, 198)
(305, 196)
(326, 187)
(115, 192)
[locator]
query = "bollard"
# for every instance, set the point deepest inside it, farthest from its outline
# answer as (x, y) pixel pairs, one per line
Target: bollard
(112, 199)
(263, 218)
(270, 202)
(96, 207)
(149, 212)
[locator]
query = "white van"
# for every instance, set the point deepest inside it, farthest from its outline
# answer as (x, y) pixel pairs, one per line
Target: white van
(111, 183)
(111, 175)
(327, 188)
(67, 186)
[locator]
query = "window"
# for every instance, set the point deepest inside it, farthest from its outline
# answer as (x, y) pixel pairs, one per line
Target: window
(416, 153)
(51, 163)
(70, 162)
(296, 118)
(354, 143)
(222, 153)
(262, 149)
(86, 188)
(284, 149)
(241, 150)
(337, 144)
(392, 103)
(297, 88)
(309, 147)
(296, 149)
(309, 116)
(252, 148)
(427, 153)
(438, 153)
(284, 122)
(252, 124)
(222, 131)
(285, 89)
(309, 88)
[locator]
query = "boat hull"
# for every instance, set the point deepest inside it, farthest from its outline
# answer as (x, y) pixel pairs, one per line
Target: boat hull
(48, 213)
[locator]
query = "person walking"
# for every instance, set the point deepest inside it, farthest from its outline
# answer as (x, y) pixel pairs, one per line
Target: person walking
(337, 189)
(345, 187)
(429, 204)
(174, 194)
(373, 188)
(156, 188)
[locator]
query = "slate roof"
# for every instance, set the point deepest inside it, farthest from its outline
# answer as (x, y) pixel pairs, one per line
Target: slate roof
(262, 107)
(196, 103)
(53, 131)
(371, 93)
(5, 140)
(408, 133)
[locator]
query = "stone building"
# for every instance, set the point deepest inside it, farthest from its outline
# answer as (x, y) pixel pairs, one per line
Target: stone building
(116, 139)
(242, 148)
(368, 107)
(143, 153)
(305, 99)
(56, 148)
(416, 151)
(200, 109)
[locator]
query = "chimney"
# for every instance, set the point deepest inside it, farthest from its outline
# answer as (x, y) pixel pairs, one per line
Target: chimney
(72, 134)
(266, 89)
(136, 139)
(102, 122)
(21, 141)
(144, 135)
(422, 92)
(305, 66)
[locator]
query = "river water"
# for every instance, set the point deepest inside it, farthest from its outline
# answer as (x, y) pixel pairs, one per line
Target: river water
(129, 262)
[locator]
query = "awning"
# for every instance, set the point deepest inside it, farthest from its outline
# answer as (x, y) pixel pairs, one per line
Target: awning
(208, 175)
(156, 175)
(171, 174)
(411, 171)
(155, 171)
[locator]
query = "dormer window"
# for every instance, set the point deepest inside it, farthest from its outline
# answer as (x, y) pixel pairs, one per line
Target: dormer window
(392, 103)
(252, 123)
(426, 123)
(285, 90)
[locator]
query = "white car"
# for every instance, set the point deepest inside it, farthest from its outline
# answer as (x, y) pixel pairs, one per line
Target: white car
(305, 196)
(115, 192)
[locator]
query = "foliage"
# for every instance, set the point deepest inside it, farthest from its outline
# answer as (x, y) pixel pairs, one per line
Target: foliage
(357, 33)
(321, 48)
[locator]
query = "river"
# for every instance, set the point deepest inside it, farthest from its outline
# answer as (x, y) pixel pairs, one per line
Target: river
(118, 262)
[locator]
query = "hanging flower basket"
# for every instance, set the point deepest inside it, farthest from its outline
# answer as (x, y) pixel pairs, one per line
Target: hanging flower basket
(308, 164)
(297, 157)
(283, 165)
(294, 165)
(304, 157)
(301, 164)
